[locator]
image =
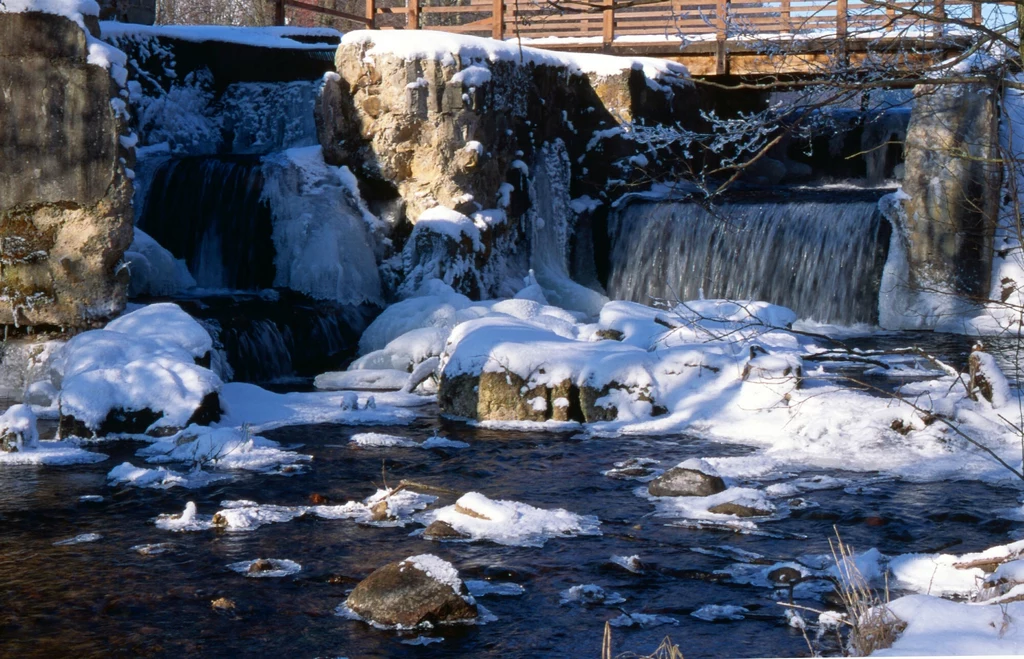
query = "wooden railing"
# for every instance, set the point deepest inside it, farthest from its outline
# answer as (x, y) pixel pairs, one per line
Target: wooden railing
(629, 22)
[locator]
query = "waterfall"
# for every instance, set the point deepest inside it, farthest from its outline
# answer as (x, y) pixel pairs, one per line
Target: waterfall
(208, 212)
(823, 260)
(275, 339)
(551, 223)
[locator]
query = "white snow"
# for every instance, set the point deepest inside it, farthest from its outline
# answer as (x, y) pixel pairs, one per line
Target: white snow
(263, 37)
(445, 47)
(400, 506)
(160, 478)
(166, 324)
(19, 422)
(450, 223)
(142, 360)
(472, 76)
(222, 448)
(437, 569)
(381, 440)
(936, 626)
(590, 594)
(264, 410)
(510, 522)
(366, 379)
(52, 453)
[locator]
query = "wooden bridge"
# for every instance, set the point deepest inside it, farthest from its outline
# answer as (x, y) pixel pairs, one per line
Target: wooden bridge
(711, 37)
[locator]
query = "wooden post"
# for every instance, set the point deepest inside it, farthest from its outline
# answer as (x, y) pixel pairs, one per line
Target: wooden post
(608, 33)
(498, 20)
(842, 25)
(721, 34)
(841, 19)
(976, 17)
(787, 25)
(278, 12)
(412, 14)
(371, 14)
(940, 16)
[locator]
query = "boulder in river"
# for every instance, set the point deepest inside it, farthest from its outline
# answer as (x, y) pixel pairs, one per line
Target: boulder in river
(688, 479)
(416, 591)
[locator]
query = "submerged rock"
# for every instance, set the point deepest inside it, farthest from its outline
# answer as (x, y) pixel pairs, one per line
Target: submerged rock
(419, 590)
(738, 509)
(441, 530)
(683, 481)
(261, 565)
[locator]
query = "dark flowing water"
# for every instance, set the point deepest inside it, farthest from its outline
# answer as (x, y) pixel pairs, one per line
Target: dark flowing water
(103, 599)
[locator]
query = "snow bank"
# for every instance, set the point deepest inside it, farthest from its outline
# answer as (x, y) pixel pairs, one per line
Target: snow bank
(263, 37)
(510, 522)
(940, 627)
(143, 360)
(264, 410)
(52, 453)
(449, 48)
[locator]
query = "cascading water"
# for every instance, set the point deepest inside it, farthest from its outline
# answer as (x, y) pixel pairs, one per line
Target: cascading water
(550, 215)
(823, 260)
(208, 211)
(280, 339)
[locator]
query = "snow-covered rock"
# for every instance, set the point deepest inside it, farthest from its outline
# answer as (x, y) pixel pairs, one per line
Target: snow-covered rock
(137, 375)
(421, 590)
(18, 429)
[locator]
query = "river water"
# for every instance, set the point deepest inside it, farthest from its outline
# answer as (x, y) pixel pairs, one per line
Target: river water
(104, 599)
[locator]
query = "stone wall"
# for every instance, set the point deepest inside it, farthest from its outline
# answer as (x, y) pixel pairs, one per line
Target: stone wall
(952, 183)
(65, 199)
(467, 135)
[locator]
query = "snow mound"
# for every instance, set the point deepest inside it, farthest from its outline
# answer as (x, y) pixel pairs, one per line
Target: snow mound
(510, 522)
(167, 325)
(142, 360)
